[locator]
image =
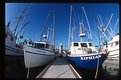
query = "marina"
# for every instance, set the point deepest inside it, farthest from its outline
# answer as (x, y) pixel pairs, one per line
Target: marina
(78, 44)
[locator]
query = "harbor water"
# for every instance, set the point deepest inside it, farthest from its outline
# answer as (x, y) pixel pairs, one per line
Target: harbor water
(15, 68)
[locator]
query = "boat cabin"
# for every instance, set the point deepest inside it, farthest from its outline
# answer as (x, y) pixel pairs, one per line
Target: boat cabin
(113, 44)
(42, 45)
(82, 48)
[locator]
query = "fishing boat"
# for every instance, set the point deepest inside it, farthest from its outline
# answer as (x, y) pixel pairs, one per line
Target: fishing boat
(14, 54)
(11, 48)
(113, 49)
(38, 54)
(83, 53)
(111, 64)
(111, 42)
(86, 56)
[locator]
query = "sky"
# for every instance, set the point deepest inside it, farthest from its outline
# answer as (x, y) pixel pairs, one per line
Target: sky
(39, 11)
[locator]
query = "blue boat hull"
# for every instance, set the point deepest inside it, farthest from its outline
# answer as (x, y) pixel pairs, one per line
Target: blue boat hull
(88, 61)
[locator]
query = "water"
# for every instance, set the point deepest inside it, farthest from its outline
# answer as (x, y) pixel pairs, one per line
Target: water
(15, 68)
(87, 74)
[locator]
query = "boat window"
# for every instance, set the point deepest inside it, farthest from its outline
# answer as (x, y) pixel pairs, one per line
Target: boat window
(90, 44)
(39, 45)
(83, 44)
(11, 38)
(47, 46)
(117, 43)
(76, 44)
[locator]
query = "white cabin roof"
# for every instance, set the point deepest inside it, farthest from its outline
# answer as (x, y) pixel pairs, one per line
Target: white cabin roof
(42, 42)
(82, 42)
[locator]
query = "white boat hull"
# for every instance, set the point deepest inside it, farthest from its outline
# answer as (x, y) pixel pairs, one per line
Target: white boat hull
(36, 57)
(112, 62)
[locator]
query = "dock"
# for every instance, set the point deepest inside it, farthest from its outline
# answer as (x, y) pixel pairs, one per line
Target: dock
(59, 68)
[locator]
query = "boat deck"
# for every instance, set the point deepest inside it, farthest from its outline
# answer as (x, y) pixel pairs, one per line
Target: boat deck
(60, 68)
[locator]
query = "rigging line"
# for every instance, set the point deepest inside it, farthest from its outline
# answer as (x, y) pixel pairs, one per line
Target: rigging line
(108, 23)
(115, 25)
(43, 28)
(109, 32)
(70, 26)
(75, 16)
(100, 20)
(82, 16)
(87, 22)
(79, 22)
(45, 23)
(22, 28)
(102, 33)
(21, 17)
(96, 36)
(52, 26)
(27, 10)
(97, 22)
(100, 28)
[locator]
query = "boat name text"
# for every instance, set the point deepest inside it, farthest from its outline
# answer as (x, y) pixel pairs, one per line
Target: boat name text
(90, 57)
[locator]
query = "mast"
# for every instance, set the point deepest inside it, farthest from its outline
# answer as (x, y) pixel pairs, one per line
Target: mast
(53, 36)
(70, 27)
(21, 17)
(90, 35)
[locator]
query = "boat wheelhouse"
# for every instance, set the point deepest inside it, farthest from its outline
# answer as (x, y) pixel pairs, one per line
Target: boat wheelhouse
(82, 48)
(84, 55)
(38, 54)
